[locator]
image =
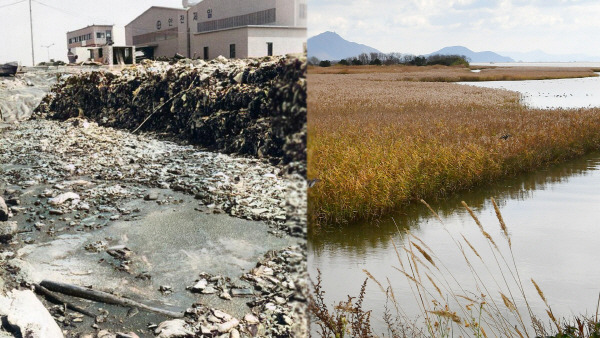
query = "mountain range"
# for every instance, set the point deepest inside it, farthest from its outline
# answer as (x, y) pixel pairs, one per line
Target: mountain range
(486, 56)
(331, 46)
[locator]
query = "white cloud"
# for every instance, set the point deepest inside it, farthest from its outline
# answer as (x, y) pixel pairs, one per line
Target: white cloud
(423, 26)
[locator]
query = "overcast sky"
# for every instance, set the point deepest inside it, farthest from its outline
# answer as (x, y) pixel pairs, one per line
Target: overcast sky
(424, 26)
(53, 18)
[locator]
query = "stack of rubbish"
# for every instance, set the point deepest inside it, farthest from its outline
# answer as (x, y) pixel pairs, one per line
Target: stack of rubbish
(252, 107)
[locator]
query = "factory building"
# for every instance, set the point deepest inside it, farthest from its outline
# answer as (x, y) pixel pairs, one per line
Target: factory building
(232, 28)
(159, 31)
(95, 43)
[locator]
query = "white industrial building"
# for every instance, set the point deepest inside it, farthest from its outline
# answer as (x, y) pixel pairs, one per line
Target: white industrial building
(232, 28)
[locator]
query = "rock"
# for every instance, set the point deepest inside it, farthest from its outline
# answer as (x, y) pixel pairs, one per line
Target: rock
(222, 315)
(62, 198)
(27, 315)
(151, 196)
(251, 319)
(225, 295)
(3, 210)
(209, 290)
(7, 230)
(200, 285)
(227, 326)
(234, 333)
(173, 328)
(106, 334)
(242, 292)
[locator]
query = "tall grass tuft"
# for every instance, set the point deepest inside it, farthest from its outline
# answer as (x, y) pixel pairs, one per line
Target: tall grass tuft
(446, 308)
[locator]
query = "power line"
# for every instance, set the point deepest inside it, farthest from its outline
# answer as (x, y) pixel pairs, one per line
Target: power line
(79, 16)
(14, 3)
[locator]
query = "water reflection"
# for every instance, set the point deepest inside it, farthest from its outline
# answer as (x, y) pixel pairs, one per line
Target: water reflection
(552, 216)
(358, 237)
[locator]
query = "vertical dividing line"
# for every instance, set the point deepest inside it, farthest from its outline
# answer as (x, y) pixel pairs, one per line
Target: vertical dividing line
(31, 28)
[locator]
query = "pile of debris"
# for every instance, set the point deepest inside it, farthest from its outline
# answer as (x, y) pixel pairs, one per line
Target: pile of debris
(255, 107)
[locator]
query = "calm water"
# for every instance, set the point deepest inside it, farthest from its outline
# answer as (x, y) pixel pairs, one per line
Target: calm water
(553, 216)
(561, 93)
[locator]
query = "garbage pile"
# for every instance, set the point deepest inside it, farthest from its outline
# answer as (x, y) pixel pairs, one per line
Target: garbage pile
(21, 94)
(254, 107)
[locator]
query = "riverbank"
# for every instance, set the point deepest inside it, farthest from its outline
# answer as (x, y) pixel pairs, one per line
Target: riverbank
(376, 143)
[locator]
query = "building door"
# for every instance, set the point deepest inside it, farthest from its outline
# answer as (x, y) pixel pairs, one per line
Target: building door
(232, 51)
(205, 53)
(269, 48)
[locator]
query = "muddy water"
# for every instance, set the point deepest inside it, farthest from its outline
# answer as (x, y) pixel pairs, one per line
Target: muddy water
(171, 243)
(552, 216)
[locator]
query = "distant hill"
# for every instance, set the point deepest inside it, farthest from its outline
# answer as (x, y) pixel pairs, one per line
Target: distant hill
(486, 56)
(331, 46)
(541, 56)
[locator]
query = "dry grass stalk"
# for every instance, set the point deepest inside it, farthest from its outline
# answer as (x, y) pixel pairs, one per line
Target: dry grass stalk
(447, 314)
(485, 234)
(471, 246)
(424, 253)
(374, 279)
(432, 211)
(501, 220)
(435, 286)
(540, 292)
(508, 303)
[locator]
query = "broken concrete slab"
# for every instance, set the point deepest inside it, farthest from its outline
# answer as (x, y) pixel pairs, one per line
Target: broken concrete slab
(27, 316)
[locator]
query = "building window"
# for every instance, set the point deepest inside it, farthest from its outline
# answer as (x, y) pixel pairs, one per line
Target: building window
(100, 52)
(195, 16)
(182, 18)
(158, 24)
(209, 13)
(302, 11)
(232, 51)
(108, 34)
(265, 17)
(205, 53)
(99, 35)
(170, 22)
(269, 48)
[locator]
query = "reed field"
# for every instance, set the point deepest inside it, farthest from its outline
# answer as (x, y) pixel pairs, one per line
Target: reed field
(376, 141)
(440, 73)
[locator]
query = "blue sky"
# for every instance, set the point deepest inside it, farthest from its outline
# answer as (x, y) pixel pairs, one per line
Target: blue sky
(424, 26)
(53, 18)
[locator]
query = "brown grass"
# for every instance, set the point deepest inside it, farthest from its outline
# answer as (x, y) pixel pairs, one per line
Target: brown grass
(440, 73)
(377, 143)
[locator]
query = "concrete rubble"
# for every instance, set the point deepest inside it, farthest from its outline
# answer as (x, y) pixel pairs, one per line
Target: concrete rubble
(26, 316)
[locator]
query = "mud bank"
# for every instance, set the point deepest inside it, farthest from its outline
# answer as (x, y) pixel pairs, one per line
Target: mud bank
(151, 220)
(253, 107)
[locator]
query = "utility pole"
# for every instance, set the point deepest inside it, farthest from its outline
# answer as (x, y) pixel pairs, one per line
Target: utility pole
(31, 27)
